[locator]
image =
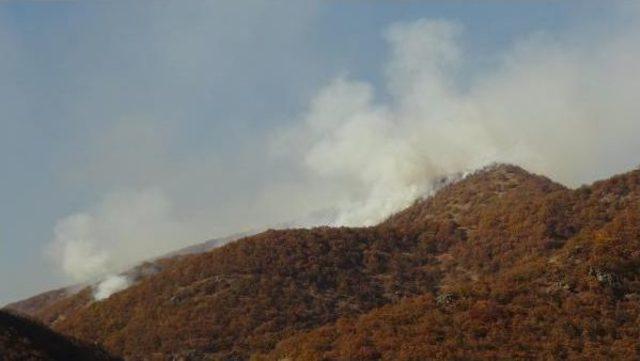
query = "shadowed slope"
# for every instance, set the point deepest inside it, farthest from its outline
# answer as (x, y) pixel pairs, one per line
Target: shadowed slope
(23, 339)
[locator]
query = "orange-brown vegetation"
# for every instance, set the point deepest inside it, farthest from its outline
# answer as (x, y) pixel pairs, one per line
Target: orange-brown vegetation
(500, 265)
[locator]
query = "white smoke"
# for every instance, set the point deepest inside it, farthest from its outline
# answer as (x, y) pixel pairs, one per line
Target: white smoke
(123, 229)
(565, 105)
(560, 106)
(109, 286)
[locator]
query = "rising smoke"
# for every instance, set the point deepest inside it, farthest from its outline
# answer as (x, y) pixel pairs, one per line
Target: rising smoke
(126, 227)
(557, 105)
(109, 286)
(564, 105)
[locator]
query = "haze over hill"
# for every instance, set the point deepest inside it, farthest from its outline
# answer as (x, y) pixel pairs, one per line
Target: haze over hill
(401, 180)
(169, 123)
(502, 264)
(364, 156)
(105, 287)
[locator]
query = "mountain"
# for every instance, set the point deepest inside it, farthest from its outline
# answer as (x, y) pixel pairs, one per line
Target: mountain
(502, 264)
(22, 339)
(554, 278)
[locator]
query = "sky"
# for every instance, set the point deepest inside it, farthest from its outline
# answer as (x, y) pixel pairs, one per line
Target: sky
(130, 129)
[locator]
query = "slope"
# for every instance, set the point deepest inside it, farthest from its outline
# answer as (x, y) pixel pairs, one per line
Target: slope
(22, 339)
(58, 303)
(581, 300)
(246, 296)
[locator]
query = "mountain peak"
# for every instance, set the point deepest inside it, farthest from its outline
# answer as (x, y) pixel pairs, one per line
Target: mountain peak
(505, 172)
(497, 182)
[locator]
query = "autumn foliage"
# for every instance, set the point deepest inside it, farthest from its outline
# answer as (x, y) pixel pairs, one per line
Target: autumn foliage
(500, 265)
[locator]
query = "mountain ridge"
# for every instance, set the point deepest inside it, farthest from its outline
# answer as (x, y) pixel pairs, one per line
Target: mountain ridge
(474, 249)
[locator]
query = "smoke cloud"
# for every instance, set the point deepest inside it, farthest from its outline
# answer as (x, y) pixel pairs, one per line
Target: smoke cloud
(558, 105)
(565, 105)
(109, 286)
(123, 229)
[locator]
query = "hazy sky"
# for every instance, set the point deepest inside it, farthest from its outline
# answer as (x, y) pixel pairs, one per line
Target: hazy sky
(128, 129)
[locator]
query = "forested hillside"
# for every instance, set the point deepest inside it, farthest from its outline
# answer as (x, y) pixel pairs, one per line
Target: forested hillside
(502, 264)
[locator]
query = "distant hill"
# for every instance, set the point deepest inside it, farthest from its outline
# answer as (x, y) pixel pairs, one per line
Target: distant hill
(22, 339)
(502, 264)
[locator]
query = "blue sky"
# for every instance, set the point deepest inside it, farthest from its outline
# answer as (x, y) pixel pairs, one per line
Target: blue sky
(98, 98)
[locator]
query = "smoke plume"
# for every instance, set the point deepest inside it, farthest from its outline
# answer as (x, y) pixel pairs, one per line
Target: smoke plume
(557, 105)
(563, 104)
(109, 286)
(126, 227)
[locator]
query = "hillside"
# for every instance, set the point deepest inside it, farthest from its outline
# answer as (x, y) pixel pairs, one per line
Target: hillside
(32, 305)
(60, 302)
(22, 339)
(573, 295)
(502, 264)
